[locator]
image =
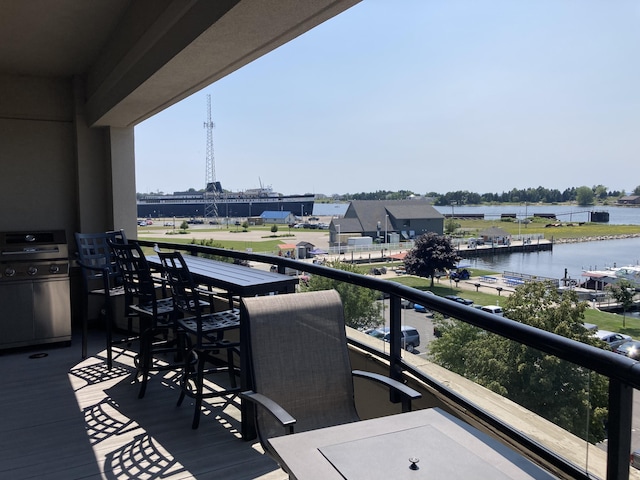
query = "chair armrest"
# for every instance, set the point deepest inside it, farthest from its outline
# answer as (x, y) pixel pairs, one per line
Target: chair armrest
(95, 269)
(279, 413)
(105, 274)
(408, 393)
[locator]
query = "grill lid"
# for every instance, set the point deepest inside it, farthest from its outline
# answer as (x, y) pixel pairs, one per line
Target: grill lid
(38, 245)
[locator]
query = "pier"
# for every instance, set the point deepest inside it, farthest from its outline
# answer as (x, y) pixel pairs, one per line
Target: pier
(499, 249)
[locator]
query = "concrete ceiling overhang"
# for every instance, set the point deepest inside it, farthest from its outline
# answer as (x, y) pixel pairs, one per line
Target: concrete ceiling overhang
(138, 57)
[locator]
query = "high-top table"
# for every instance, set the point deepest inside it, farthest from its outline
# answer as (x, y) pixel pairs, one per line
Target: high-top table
(240, 281)
(423, 444)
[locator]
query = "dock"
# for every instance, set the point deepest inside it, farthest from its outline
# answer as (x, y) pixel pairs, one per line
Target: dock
(500, 249)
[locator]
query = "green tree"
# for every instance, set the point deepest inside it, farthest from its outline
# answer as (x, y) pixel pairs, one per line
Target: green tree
(584, 195)
(450, 226)
(600, 192)
(361, 308)
(636, 191)
(212, 243)
(184, 225)
(555, 389)
(623, 291)
(431, 253)
(274, 228)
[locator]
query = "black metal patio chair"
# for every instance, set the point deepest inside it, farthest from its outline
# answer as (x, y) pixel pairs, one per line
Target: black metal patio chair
(213, 352)
(101, 278)
(161, 341)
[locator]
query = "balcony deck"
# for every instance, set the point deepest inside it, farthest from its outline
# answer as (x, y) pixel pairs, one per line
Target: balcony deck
(67, 418)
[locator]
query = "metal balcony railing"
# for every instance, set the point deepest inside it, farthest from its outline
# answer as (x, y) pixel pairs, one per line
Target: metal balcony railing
(622, 372)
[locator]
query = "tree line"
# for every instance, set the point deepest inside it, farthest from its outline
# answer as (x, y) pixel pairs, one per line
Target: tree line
(584, 195)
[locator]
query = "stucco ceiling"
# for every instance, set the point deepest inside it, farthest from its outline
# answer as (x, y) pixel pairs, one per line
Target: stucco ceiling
(137, 57)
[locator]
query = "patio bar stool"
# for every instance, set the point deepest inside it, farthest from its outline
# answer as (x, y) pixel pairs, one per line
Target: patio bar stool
(206, 331)
(160, 335)
(101, 278)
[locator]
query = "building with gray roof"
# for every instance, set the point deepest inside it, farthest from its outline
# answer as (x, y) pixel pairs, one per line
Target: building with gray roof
(381, 218)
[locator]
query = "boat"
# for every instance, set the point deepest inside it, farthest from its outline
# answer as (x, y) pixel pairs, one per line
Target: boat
(630, 273)
(248, 203)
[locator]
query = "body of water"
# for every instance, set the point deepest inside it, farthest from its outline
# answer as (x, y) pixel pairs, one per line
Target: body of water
(575, 257)
(564, 213)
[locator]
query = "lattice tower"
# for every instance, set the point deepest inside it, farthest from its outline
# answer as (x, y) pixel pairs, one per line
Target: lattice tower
(211, 190)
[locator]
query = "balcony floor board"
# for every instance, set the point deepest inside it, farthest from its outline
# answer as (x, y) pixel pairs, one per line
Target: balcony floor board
(68, 418)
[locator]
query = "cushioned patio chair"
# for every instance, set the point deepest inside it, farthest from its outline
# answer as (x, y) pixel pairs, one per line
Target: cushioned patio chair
(299, 364)
(101, 278)
(211, 352)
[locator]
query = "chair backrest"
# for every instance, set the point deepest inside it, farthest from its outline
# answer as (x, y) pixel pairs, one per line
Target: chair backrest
(299, 358)
(135, 271)
(94, 252)
(183, 287)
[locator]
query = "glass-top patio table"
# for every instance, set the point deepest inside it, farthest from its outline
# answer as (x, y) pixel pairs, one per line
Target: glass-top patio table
(423, 444)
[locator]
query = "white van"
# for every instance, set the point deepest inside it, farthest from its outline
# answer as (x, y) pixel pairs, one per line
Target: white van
(495, 309)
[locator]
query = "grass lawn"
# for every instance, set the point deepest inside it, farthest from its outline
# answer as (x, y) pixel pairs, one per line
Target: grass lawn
(537, 226)
(266, 245)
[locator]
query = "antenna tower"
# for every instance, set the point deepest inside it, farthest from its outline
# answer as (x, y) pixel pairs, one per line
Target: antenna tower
(211, 190)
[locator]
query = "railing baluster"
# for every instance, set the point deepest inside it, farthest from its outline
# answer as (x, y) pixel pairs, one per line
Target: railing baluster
(619, 430)
(395, 327)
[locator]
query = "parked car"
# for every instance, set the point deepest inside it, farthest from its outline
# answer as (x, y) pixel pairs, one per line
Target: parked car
(410, 336)
(404, 303)
(455, 298)
(635, 459)
(421, 308)
(495, 309)
(613, 339)
(629, 349)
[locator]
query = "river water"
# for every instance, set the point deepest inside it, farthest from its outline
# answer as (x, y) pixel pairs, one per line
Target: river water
(564, 213)
(575, 257)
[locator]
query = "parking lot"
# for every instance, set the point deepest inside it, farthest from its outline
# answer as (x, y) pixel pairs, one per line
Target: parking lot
(420, 321)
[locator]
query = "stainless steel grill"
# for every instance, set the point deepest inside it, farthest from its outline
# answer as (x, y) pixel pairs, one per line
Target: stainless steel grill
(34, 288)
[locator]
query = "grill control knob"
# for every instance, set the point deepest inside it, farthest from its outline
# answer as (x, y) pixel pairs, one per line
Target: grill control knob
(9, 272)
(54, 269)
(32, 270)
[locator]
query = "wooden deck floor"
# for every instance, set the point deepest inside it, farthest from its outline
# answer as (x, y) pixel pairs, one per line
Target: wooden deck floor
(64, 418)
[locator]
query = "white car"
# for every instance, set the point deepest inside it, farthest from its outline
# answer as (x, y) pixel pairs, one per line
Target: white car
(612, 339)
(495, 309)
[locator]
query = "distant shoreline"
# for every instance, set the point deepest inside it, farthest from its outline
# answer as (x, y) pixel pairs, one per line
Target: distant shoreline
(597, 238)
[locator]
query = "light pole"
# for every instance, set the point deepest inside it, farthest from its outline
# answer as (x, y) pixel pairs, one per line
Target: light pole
(386, 218)
(338, 227)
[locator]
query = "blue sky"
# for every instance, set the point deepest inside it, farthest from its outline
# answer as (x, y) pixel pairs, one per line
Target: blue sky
(420, 95)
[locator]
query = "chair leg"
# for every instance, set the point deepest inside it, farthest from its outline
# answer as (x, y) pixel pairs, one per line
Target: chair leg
(232, 370)
(184, 381)
(199, 392)
(144, 362)
(107, 319)
(85, 326)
